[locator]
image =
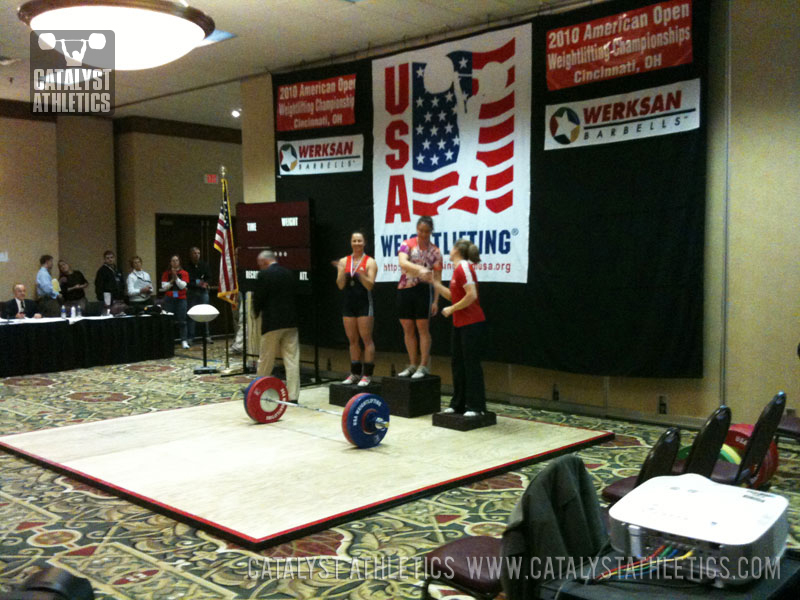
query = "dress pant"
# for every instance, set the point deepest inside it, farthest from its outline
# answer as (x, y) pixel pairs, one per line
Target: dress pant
(469, 392)
(286, 343)
(193, 299)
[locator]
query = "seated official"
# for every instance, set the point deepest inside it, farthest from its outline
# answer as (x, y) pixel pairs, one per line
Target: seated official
(19, 307)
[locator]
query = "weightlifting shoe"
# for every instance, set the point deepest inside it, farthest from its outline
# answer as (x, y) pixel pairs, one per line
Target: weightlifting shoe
(364, 381)
(408, 371)
(352, 378)
(472, 413)
(420, 372)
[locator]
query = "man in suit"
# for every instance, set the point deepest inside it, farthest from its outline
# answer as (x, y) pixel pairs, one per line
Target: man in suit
(274, 302)
(18, 307)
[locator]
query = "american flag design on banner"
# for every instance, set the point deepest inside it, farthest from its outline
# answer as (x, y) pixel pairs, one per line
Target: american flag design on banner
(482, 154)
(223, 242)
(451, 134)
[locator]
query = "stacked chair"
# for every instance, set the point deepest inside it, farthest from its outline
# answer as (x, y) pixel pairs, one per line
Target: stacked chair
(659, 462)
(756, 448)
(559, 514)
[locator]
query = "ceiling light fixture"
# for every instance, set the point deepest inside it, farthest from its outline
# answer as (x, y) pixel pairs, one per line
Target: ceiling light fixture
(147, 33)
(236, 113)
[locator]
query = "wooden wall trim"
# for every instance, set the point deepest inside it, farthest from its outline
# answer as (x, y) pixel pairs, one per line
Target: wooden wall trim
(177, 129)
(17, 109)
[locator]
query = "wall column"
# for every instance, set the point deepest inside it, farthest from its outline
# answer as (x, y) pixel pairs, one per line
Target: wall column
(258, 139)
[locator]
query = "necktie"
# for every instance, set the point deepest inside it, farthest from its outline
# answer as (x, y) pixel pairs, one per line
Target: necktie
(22, 306)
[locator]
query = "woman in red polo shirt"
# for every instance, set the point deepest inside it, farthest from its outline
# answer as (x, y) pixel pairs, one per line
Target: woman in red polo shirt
(469, 331)
(173, 283)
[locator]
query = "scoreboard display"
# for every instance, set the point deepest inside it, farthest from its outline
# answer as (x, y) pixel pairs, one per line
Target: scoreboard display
(284, 228)
(274, 225)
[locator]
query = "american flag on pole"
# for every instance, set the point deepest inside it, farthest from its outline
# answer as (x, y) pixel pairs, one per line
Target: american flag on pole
(451, 141)
(223, 242)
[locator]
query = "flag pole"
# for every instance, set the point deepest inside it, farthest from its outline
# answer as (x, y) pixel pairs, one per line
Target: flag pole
(227, 313)
(224, 244)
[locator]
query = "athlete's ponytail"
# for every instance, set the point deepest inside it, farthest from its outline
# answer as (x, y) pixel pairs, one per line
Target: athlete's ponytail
(468, 250)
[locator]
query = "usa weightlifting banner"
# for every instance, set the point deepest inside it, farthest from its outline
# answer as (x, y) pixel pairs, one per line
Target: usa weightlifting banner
(452, 141)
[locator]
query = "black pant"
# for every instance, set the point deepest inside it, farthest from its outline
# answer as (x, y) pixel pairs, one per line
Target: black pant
(469, 392)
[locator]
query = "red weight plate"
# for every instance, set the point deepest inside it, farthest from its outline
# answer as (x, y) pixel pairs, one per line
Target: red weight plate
(346, 415)
(258, 396)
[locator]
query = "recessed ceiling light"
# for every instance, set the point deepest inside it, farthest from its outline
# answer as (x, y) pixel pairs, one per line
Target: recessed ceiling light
(236, 113)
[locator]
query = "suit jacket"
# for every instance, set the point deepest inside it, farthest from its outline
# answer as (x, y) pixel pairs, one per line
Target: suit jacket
(274, 298)
(10, 308)
(558, 516)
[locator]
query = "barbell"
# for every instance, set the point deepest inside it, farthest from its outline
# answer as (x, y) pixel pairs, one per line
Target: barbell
(365, 419)
(47, 41)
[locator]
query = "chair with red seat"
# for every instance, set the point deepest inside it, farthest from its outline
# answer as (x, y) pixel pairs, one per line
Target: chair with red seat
(756, 448)
(658, 462)
(558, 515)
(454, 565)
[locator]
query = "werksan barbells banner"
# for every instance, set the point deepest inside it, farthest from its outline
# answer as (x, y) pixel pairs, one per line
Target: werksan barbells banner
(452, 141)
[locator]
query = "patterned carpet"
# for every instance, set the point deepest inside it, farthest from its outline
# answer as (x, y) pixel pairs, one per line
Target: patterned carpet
(130, 552)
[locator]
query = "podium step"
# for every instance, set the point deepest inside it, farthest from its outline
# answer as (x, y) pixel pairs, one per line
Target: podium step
(339, 394)
(408, 397)
(461, 423)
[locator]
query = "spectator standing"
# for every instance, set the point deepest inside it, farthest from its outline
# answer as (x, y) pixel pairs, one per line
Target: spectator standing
(108, 282)
(48, 296)
(72, 284)
(173, 283)
(197, 290)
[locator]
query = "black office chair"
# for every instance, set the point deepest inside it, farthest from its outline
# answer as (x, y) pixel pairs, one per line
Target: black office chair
(658, 462)
(756, 448)
(705, 449)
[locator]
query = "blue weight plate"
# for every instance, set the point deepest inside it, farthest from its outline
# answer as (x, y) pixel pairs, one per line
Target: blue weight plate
(358, 420)
(258, 399)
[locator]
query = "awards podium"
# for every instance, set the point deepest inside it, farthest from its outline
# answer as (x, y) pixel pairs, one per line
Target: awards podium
(405, 396)
(339, 394)
(461, 423)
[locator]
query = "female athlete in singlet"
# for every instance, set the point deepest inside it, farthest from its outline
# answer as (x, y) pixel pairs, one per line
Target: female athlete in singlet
(469, 331)
(355, 277)
(421, 265)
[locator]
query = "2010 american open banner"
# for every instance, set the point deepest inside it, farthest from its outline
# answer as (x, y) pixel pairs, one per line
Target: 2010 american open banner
(452, 141)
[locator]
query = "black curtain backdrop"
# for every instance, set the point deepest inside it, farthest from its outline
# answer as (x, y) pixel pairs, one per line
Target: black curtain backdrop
(615, 282)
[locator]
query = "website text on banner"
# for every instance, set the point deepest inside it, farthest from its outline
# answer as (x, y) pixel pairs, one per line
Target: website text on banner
(452, 141)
